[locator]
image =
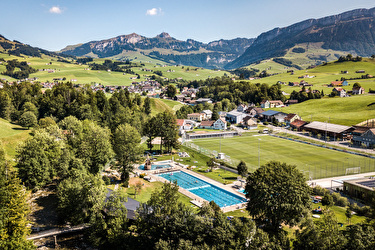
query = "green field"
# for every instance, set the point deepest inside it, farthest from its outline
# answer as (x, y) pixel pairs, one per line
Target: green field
(345, 111)
(316, 162)
(83, 76)
(11, 135)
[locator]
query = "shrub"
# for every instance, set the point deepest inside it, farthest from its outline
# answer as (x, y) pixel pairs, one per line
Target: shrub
(265, 123)
(318, 190)
(106, 180)
(342, 202)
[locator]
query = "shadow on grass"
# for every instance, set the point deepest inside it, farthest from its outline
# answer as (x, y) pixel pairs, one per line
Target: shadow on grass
(20, 129)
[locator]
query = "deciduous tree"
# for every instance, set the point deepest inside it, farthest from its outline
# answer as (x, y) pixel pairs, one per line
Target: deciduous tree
(277, 194)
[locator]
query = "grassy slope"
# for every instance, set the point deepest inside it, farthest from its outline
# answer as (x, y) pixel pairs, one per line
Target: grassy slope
(319, 161)
(78, 72)
(11, 135)
(346, 111)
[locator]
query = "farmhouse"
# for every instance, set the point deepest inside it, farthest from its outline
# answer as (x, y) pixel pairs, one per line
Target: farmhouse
(290, 102)
(364, 136)
(291, 118)
(339, 92)
(338, 84)
(271, 104)
(332, 130)
(358, 91)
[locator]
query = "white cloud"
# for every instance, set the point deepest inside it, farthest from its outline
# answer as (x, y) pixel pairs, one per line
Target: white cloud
(55, 10)
(154, 12)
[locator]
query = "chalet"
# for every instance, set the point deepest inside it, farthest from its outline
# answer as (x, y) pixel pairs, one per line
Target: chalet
(338, 84)
(367, 138)
(358, 91)
(196, 116)
(241, 108)
(184, 124)
(220, 124)
(254, 112)
(249, 122)
(291, 118)
(339, 92)
(235, 117)
(298, 124)
(207, 124)
(207, 113)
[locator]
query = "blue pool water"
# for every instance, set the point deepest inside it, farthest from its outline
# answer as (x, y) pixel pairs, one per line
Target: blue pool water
(242, 190)
(153, 167)
(203, 189)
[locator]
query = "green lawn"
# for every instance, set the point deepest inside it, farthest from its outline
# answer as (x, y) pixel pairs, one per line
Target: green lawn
(316, 162)
(11, 135)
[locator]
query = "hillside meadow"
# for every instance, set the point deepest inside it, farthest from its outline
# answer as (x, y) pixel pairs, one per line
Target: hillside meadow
(10, 136)
(345, 111)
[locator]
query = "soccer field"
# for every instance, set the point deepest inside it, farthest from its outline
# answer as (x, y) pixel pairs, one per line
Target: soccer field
(315, 162)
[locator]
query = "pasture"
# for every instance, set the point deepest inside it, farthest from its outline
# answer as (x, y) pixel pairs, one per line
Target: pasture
(315, 162)
(10, 136)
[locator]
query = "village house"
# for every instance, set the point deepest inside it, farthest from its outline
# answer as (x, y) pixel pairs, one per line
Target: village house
(249, 122)
(338, 84)
(254, 111)
(220, 124)
(358, 91)
(203, 100)
(366, 138)
(196, 116)
(339, 92)
(241, 108)
(291, 118)
(207, 124)
(271, 115)
(207, 113)
(290, 102)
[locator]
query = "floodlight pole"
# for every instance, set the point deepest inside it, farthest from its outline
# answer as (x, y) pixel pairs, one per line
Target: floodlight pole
(258, 153)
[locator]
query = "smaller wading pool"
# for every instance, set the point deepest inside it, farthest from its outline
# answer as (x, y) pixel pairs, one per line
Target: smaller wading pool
(155, 166)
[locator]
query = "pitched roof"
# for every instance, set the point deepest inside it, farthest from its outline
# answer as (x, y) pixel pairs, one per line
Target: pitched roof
(329, 127)
(289, 117)
(270, 112)
(298, 123)
(180, 122)
(207, 123)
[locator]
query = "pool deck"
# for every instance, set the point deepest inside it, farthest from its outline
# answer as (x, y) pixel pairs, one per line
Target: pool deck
(196, 199)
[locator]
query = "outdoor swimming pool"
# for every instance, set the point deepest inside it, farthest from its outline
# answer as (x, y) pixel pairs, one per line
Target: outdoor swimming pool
(155, 166)
(204, 189)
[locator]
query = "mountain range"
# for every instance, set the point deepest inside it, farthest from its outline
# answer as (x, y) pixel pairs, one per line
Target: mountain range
(166, 48)
(348, 32)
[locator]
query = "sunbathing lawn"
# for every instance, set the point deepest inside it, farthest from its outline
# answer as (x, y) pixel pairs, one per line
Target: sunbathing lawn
(316, 162)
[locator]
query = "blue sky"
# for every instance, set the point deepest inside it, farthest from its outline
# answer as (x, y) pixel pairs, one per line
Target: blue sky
(54, 24)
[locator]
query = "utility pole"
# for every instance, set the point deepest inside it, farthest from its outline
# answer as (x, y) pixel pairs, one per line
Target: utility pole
(258, 153)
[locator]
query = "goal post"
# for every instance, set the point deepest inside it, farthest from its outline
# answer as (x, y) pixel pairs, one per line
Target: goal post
(356, 170)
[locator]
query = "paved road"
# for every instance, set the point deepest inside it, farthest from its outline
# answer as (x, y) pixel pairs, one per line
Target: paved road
(57, 231)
